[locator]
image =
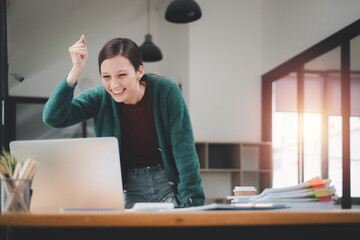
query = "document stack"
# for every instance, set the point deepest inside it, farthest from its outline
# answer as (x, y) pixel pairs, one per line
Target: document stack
(316, 193)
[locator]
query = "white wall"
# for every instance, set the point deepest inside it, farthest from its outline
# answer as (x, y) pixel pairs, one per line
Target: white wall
(40, 32)
(225, 70)
(292, 26)
(174, 43)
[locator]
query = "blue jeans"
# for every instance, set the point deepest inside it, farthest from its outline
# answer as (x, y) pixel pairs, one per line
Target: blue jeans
(149, 184)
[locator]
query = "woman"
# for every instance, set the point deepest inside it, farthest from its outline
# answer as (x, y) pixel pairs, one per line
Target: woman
(146, 113)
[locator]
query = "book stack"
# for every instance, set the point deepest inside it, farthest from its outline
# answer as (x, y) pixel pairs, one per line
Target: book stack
(316, 193)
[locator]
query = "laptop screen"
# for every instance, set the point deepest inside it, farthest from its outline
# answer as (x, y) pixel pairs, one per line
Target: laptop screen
(77, 173)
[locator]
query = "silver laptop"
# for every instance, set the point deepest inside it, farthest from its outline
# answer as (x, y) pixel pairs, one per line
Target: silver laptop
(79, 174)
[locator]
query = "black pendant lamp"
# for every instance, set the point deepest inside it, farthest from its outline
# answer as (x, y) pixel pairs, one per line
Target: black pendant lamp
(149, 52)
(183, 11)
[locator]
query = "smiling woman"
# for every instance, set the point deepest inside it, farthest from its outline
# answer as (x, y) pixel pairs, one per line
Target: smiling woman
(146, 113)
(123, 85)
(120, 68)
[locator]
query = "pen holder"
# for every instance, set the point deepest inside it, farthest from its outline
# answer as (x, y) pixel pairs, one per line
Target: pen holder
(15, 195)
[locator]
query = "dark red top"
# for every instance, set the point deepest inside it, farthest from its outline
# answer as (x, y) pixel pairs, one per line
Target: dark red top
(139, 141)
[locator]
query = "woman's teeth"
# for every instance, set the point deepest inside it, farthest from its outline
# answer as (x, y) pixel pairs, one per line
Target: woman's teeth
(119, 91)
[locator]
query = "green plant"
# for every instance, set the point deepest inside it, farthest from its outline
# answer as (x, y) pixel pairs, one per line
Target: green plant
(10, 160)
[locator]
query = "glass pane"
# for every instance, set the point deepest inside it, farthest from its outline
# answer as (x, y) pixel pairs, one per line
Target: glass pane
(355, 117)
(355, 156)
(312, 145)
(335, 152)
(322, 105)
(285, 132)
(285, 149)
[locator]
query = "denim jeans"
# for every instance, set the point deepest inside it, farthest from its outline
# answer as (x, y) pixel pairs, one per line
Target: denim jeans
(149, 184)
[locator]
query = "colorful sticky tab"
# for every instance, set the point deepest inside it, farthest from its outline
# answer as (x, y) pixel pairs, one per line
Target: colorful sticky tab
(325, 199)
(322, 192)
(315, 182)
(319, 186)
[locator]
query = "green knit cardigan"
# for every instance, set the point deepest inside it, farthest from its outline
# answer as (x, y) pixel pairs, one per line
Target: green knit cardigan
(172, 120)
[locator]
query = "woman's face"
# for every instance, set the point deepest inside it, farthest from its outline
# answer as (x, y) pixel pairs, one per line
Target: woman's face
(121, 80)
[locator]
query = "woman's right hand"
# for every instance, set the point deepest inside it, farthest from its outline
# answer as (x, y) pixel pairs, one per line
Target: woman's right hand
(79, 54)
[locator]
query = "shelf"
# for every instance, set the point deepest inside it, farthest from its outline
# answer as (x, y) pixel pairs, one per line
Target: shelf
(226, 156)
(219, 170)
(249, 163)
(256, 143)
(257, 171)
(234, 142)
(201, 150)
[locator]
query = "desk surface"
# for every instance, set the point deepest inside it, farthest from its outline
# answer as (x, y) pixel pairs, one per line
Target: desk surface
(183, 219)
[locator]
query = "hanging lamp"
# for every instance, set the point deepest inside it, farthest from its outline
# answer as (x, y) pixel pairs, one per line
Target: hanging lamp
(149, 51)
(183, 11)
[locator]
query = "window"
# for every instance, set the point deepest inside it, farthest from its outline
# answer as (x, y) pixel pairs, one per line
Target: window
(311, 113)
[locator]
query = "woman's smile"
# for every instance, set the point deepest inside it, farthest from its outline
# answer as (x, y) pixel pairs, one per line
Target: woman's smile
(118, 92)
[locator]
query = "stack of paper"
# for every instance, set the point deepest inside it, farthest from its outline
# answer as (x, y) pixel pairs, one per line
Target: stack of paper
(315, 193)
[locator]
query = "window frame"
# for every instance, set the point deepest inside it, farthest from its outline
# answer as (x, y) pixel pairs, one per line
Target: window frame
(296, 64)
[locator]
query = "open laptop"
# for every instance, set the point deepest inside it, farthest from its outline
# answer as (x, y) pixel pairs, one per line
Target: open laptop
(79, 174)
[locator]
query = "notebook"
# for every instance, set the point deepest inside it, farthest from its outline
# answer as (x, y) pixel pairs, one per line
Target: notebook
(78, 174)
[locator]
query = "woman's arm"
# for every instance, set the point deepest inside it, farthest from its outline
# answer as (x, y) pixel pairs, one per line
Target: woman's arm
(63, 109)
(79, 54)
(183, 148)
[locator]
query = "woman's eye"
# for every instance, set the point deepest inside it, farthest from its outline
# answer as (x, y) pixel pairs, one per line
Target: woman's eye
(122, 75)
(106, 77)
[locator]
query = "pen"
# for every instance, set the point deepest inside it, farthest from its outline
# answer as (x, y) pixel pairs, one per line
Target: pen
(17, 170)
(6, 166)
(2, 172)
(25, 168)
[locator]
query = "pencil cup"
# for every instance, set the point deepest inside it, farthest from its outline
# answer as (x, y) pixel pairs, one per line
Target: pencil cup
(15, 195)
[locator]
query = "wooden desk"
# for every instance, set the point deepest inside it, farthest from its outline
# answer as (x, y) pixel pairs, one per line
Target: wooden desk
(264, 223)
(182, 219)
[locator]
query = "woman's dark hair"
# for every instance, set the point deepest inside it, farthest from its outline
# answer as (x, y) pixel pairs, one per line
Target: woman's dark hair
(123, 46)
